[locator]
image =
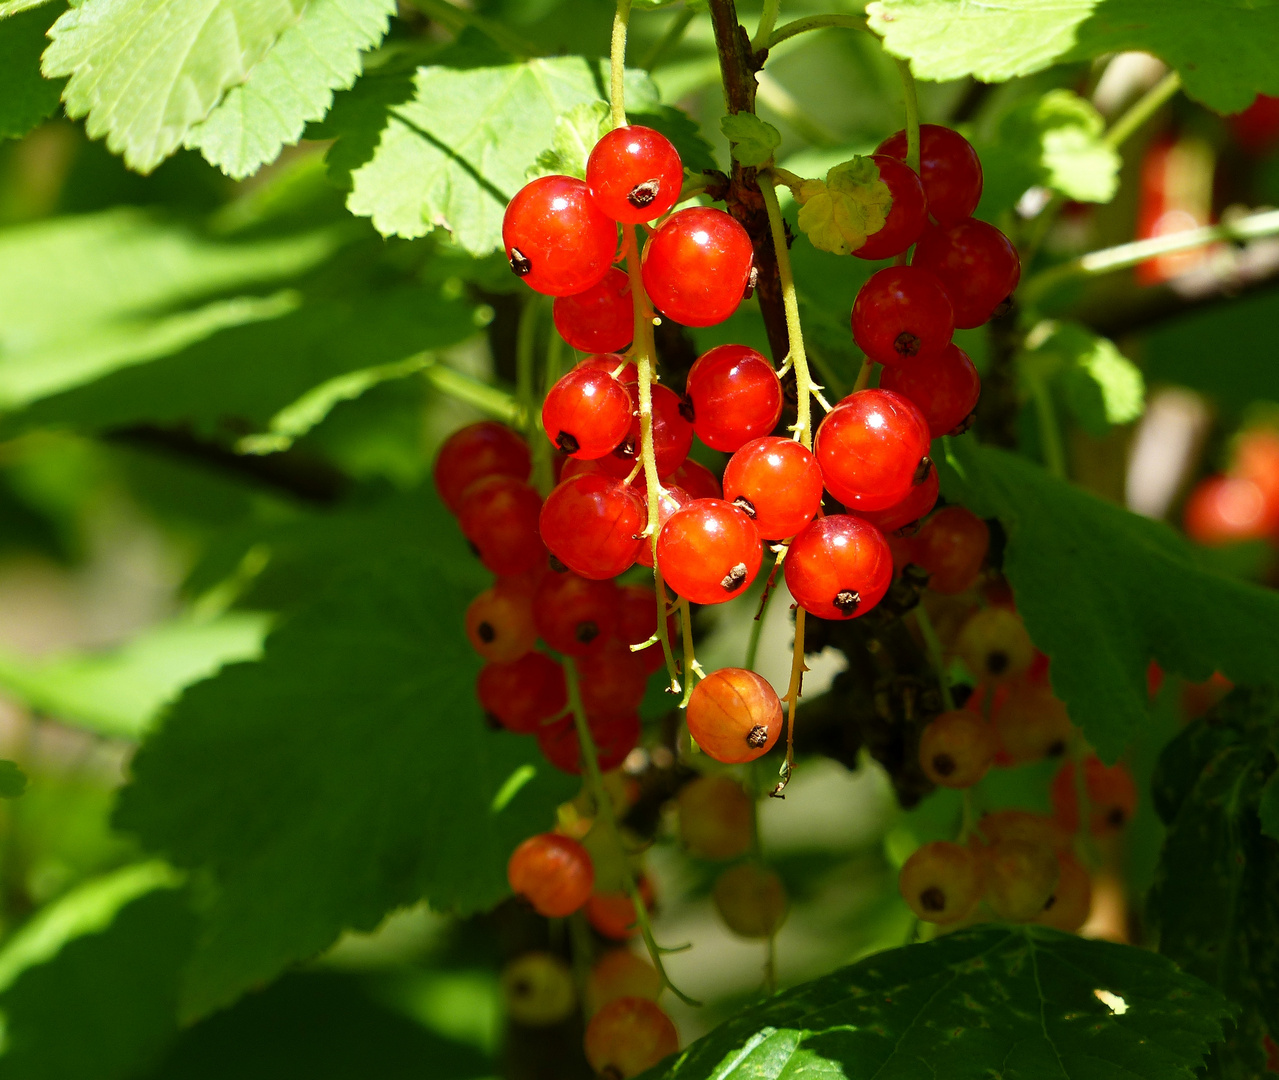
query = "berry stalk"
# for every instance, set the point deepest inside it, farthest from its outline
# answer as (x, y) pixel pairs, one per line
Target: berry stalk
(815, 22)
(793, 692)
(617, 63)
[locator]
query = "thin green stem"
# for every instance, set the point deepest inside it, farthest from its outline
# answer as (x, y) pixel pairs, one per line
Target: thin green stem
(797, 670)
(489, 399)
(674, 34)
(543, 456)
(1142, 110)
(691, 667)
(457, 19)
(816, 22)
(830, 377)
(1049, 430)
(606, 817)
(912, 113)
(935, 655)
(525, 360)
(757, 627)
(617, 63)
(767, 20)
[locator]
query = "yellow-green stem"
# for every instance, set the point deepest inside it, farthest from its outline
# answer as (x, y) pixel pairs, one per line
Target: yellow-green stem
(690, 659)
(912, 114)
(767, 20)
(816, 22)
(617, 63)
(863, 375)
(792, 701)
(1142, 110)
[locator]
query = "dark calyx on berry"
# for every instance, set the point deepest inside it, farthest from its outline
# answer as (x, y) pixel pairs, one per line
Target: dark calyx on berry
(626, 448)
(492, 722)
(846, 600)
(557, 566)
(933, 899)
(1050, 901)
(643, 194)
(486, 632)
(997, 662)
(1055, 749)
(587, 631)
(963, 425)
(906, 343)
(943, 764)
(520, 265)
(686, 409)
(758, 736)
(1116, 818)
(923, 469)
(734, 577)
(567, 443)
(745, 505)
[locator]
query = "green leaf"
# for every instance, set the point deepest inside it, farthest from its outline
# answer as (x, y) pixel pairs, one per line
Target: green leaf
(576, 133)
(292, 86)
(1222, 48)
(415, 166)
(853, 204)
(349, 771)
(695, 152)
(26, 97)
(1103, 591)
(1102, 386)
(1216, 895)
(13, 781)
(9, 8)
(1011, 1002)
(753, 141)
(145, 72)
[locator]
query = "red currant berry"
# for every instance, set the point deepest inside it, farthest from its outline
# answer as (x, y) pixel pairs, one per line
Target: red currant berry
(522, 694)
(872, 449)
(956, 749)
(709, 552)
(941, 882)
(777, 482)
(945, 388)
(621, 973)
(578, 467)
(592, 524)
(556, 238)
(474, 452)
(1032, 723)
(554, 873)
(1228, 509)
(499, 623)
(952, 546)
(901, 315)
(716, 818)
(612, 914)
(671, 500)
(903, 516)
(672, 434)
(623, 370)
(587, 412)
(1071, 901)
(735, 715)
(751, 900)
(736, 396)
(499, 517)
(634, 174)
(1019, 877)
(637, 623)
(697, 266)
(1112, 796)
(906, 217)
(628, 1036)
(575, 615)
(612, 680)
(599, 320)
(615, 736)
(949, 168)
(697, 480)
(839, 567)
(976, 264)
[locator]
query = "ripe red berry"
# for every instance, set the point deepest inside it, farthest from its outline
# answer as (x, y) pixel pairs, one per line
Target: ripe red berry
(671, 500)
(945, 388)
(600, 319)
(499, 517)
(872, 449)
(628, 1036)
(623, 370)
(499, 623)
(574, 615)
(902, 315)
(949, 168)
(672, 434)
(976, 264)
(592, 524)
(777, 482)
(612, 680)
(952, 546)
(634, 174)
(941, 882)
(522, 694)
(709, 552)
(736, 396)
(905, 515)
(556, 238)
(637, 623)
(697, 480)
(907, 216)
(839, 567)
(553, 872)
(956, 749)
(1112, 796)
(474, 452)
(615, 735)
(1228, 509)
(587, 412)
(735, 715)
(612, 914)
(697, 266)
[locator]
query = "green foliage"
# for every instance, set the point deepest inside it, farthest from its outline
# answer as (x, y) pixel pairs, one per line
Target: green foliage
(26, 98)
(1102, 386)
(13, 781)
(753, 141)
(1216, 897)
(1222, 48)
(1103, 592)
(1011, 1001)
(576, 133)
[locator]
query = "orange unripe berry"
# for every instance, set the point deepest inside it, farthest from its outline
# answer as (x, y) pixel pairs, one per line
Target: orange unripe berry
(1067, 909)
(1020, 877)
(1032, 722)
(553, 872)
(956, 749)
(735, 715)
(994, 644)
(612, 914)
(716, 817)
(1112, 796)
(751, 900)
(499, 623)
(627, 1036)
(537, 989)
(941, 882)
(952, 546)
(620, 973)
(1036, 829)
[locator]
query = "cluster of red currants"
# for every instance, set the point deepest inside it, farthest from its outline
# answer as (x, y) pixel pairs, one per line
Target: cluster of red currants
(1243, 502)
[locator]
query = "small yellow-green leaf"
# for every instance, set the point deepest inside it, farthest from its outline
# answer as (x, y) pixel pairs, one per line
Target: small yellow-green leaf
(851, 205)
(753, 140)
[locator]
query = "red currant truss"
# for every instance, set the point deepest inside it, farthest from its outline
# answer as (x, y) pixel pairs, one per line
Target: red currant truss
(906, 217)
(474, 452)
(575, 615)
(554, 873)
(697, 266)
(592, 524)
(587, 412)
(523, 694)
(672, 434)
(873, 449)
(736, 396)
(499, 518)
(949, 168)
(902, 517)
(944, 387)
(697, 480)
(777, 483)
(901, 316)
(615, 736)
(557, 239)
(669, 501)
(839, 567)
(735, 715)
(599, 320)
(952, 546)
(499, 623)
(634, 174)
(976, 264)
(709, 552)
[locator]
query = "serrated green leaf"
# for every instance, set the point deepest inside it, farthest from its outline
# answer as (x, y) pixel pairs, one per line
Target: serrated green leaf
(1012, 1002)
(26, 97)
(292, 86)
(9, 8)
(1216, 896)
(1102, 386)
(1104, 591)
(13, 781)
(853, 204)
(576, 133)
(1222, 48)
(415, 167)
(145, 72)
(753, 141)
(325, 785)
